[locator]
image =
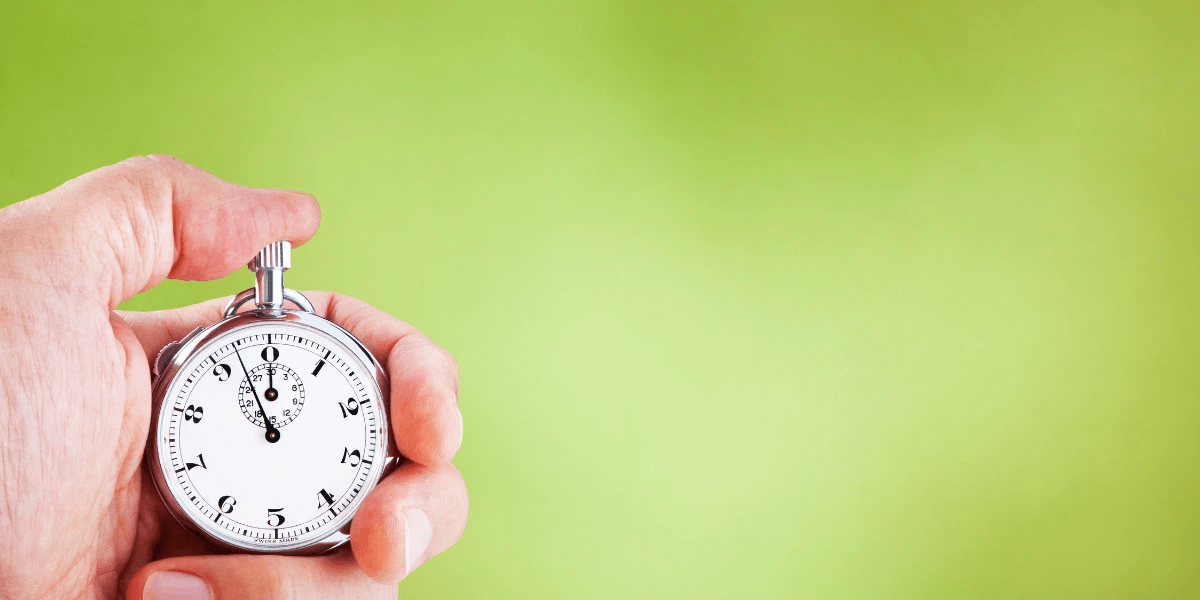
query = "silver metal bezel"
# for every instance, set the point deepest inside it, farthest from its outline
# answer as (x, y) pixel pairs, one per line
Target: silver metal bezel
(166, 372)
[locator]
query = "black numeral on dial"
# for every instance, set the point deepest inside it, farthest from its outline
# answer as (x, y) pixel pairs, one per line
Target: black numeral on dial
(193, 413)
(226, 504)
(354, 457)
(349, 408)
(324, 499)
(200, 464)
(222, 372)
(274, 518)
(270, 354)
(321, 363)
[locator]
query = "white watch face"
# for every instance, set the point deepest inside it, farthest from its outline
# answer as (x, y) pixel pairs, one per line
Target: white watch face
(270, 435)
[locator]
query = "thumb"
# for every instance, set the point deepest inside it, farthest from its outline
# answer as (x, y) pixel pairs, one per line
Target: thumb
(250, 577)
(122, 229)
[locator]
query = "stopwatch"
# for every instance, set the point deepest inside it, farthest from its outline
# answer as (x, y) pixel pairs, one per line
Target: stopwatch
(269, 426)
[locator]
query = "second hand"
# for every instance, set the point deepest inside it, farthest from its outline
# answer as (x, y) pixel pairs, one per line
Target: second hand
(272, 432)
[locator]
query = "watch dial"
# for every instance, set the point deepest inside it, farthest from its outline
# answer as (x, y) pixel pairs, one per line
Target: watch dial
(269, 436)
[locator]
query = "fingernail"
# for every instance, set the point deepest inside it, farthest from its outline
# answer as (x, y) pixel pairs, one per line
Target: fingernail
(417, 532)
(168, 585)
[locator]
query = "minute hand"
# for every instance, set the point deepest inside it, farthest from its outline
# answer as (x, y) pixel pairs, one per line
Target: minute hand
(272, 432)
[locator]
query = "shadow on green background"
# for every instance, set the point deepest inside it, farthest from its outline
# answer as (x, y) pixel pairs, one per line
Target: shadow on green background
(849, 300)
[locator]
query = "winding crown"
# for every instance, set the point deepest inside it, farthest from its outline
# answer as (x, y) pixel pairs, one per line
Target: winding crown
(274, 256)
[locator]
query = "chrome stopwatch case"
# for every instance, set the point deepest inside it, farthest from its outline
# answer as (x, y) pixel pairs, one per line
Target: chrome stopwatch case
(269, 426)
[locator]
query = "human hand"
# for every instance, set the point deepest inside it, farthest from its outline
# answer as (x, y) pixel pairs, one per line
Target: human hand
(79, 516)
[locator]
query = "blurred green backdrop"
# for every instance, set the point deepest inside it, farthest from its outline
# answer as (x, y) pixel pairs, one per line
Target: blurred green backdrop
(873, 299)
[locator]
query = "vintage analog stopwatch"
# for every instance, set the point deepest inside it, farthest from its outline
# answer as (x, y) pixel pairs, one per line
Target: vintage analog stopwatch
(269, 426)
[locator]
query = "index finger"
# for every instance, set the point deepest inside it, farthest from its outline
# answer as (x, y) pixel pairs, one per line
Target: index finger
(122, 229)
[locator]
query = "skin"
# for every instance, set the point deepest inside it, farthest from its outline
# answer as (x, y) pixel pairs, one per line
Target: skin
(79, 517)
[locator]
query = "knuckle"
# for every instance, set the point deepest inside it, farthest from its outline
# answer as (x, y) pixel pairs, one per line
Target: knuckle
(127, 227)
(432, 394)
(136, 180)
(153, 169)
(137, 162)
(164, 159)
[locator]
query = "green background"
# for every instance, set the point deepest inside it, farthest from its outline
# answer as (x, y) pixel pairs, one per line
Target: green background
(762, 300)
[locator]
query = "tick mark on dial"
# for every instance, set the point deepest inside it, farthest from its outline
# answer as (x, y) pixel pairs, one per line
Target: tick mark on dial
(321, 363)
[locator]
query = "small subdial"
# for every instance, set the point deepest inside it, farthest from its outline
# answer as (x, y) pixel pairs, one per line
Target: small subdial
(281, 392)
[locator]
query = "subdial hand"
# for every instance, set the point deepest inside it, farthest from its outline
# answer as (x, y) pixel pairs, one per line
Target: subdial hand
(271, 394)
(272, 432)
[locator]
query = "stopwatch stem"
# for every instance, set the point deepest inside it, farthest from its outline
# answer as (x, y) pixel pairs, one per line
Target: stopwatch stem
(268, 267)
